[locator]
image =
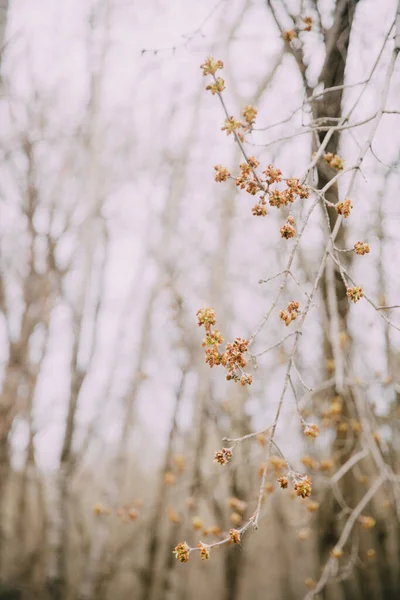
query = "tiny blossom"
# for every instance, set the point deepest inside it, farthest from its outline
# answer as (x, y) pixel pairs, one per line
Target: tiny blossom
(307, 23)
(283, 482)
(213, 338)
(304, 533)
(354, 293)
(132, 514)
(169, 478)
(233, 355)
(309, 462)
(336, 406)
(235, 518)
(213, 357)
(289, 35)
(197, 523)
(361, 248)
(206, 317)
(342, 427)
(334, 161)
(293, 306)
(259, 210)
(214, 530)
(312, 506)
(261, 438)
(311, 430)
(288, 230)
(231, 125)
(371, 553)
(246, 379)
(290, 314)
(179, 461)
(273, 175)
(182, 552)
(211, 66)
(356, 426)
(236, 504)
(234, 536)
(223, 456)
(173, 516)
(336, 552)
(217, 87)
(297, 189)
(245, 169)
(277, 462)
(252, 187)
(253, 162)
(204, 551)
(221, 173)
(309, 582)
(269, 487)
(277, 198)
(326, 464)
(367, 522)
(249, 113)
(344, 208)
(303, 487)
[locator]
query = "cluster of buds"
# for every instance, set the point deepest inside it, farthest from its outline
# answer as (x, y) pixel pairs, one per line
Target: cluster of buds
(311, 430)
(302, 486)
(234, 536)
(312, 506)
(289, 35)
(290, 314)
(217, 87)
(127, 514)
(354, 293)
(213, 530)
(233, 358)
(367, 522)
(179, 462)
(361, 248)
(169, 478)
(288, 230)
(221, 173)
(197, 523)
(232, 125)
(249, 114)
(99, 509)
(344, 208)
(301, 483)
(334, 160)
(211, 66)
(182, 552)
(206, 318)
(310, 462)
(307, 23)
(204, 551)
(283, 482)
(173, 516)
(278, 463)
(223, 456)
(237, 505)
(247, 179)
(326, 464)
(254, 184)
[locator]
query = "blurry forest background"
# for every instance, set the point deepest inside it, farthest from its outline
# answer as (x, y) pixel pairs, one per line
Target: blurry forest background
(113, 233)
